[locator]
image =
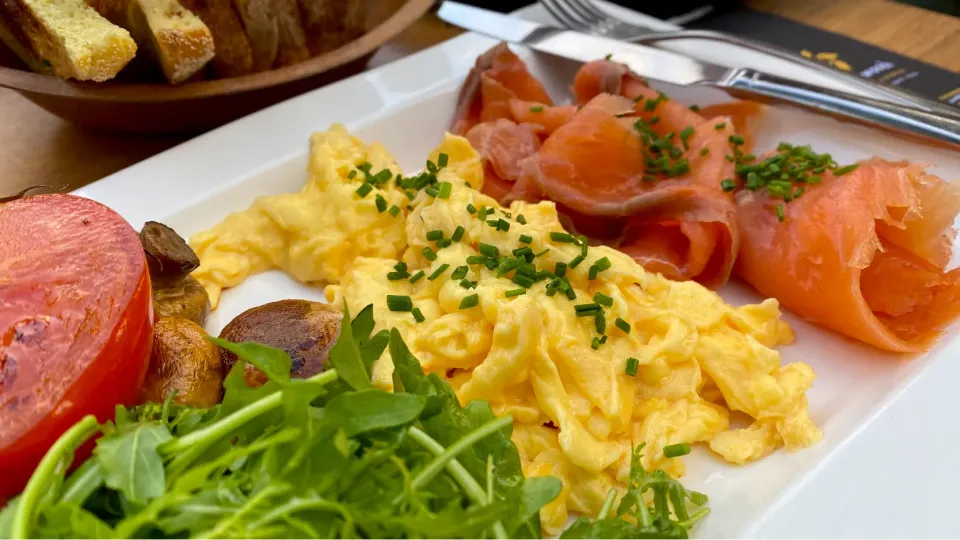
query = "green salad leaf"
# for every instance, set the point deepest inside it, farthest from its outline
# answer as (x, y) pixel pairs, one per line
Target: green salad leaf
(325, 457)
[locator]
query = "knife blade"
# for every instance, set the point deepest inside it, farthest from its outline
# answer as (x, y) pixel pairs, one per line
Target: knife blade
(673, 68)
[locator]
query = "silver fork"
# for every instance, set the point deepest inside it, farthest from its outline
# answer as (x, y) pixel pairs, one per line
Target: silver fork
(584, 16)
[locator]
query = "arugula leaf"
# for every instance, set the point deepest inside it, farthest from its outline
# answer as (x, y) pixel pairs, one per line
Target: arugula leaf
(275, 363)
(408, 377)
(373, 409)
(373, 349)
(71, 521)
(362, 325)
(7, 515)
(344, 356)
(131, 462)
(537, 492)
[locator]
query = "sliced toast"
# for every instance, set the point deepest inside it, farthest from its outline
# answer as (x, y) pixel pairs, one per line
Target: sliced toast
(331, 23)
(234, 56)
(292, 45)
(65, 38)
(260, 23)
(181, 43)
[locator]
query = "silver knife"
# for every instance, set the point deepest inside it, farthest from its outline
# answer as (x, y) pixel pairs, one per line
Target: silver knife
(680, 70)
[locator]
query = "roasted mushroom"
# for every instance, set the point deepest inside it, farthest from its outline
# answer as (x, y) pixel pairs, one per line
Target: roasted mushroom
(183, 297)
(183, 361)
(168, 255)
(305, 330)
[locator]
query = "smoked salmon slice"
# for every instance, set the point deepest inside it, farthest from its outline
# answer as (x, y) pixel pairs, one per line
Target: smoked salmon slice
(498, 76)
(863, 254)
(545, 119)
(678, 220)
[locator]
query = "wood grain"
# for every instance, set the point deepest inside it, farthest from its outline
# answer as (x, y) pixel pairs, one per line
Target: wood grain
(38, 148)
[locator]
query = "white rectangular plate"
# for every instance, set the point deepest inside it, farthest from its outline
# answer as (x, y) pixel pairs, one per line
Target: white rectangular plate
(885, 467)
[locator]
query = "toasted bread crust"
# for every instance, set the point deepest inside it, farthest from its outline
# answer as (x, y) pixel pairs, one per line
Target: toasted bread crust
(331, 23)
(292, 40)
(178, 39)
(234, 56)
(85, 46)
(260, 25)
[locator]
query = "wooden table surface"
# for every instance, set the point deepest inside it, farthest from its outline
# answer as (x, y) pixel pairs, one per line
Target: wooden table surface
(39, 148)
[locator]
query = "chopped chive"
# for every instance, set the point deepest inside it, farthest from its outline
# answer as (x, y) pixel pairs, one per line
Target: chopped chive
(503, 225)
(784, 146)
(364, 190)
(476, 259)
(686, 133)
(410, 195)
(472, 209)
(460, 272)
(536, 109)
(729, 158)
(458, 233)
(560, 269)
(493, 223)
(576, 261)
(704, 151)
(586, 307)
(442, 160)
(491, 264)
(595, 343)
(845, 170)
(488, 251)
(409, 208)
(562, 237)
(394, 210)
(399, 303)
(521, 220)
(592, 274)
(603, 263)
(431, 192)
(622, 325)
(417, 277)
(439, 271)
(799, 192)
(444, 242)
(469, 301)
(608, 56)
(584, 247)
(600, 323)
(720, 126)
(515, 292)
(429, 254)
(728, 184)
(735, 140)
(542, 253)
(382, 177)
(400, 266)
(603, 299)
(551, 292)
(352, 175)
(526, 239)
(780, 216)
(695, 108)
(418, 316)
(396, 276)
(633, 366)
(570, 294)
(434, 235)
(381, 204)
(523, 281)
(522, 252)
(467, 284)
(432, 167)
(676, 450)
(445, 189)
(603, 339)
(467, 184)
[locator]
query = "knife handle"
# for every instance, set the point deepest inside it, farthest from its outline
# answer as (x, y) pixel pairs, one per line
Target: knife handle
(758, 86)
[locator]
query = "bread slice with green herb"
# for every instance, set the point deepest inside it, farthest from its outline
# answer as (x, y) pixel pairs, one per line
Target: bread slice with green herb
(65, 38)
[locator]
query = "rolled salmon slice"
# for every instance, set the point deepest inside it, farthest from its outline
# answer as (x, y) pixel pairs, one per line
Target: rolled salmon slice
(683, 225)
(863, 254)
(497, 76)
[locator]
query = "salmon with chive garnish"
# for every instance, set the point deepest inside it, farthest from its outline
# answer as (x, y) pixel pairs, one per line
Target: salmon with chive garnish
(544, 118)
(504, 146)
(664, 191)
(861, 250)
(498, 76)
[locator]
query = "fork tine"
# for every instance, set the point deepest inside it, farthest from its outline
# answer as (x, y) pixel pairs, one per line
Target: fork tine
(589, 7)
(586, 10)
(562, 13)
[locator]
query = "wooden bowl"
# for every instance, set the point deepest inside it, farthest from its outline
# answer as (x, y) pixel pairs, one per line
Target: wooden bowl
(193, 107)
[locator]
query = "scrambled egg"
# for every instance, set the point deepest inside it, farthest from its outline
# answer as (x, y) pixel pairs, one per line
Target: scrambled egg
(577, 412)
